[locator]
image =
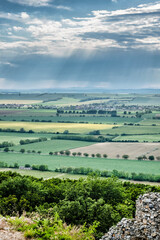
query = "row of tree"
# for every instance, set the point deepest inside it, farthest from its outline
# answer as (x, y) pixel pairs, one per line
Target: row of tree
(115, 173)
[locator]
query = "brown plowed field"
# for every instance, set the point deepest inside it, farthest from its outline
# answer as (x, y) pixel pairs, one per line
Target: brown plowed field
(113, 149)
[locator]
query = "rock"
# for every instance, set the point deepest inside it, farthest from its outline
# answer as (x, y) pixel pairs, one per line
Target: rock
(146, 224)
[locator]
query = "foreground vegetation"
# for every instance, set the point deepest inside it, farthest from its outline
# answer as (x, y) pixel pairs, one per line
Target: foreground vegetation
(77, 202)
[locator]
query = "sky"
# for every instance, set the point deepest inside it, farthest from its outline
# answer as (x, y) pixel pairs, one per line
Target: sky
(79, 44)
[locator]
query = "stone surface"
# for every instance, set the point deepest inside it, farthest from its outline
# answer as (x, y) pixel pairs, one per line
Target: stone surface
(7, 232)
(145, 226)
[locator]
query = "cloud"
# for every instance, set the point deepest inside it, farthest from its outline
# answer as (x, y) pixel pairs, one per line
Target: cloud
(62, 7)
(131, 28)
(33, 3)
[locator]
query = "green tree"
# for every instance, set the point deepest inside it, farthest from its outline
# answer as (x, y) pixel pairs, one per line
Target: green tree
(98, 155)
(125, 156)
(151, 157)
(6, 149)
(22, 150)
(67, 152)
(27, 165)
(105, 155)
(85, 154)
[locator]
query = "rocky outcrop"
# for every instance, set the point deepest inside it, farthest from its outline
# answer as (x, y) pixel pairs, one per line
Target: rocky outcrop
(145, 226)
(7, 232)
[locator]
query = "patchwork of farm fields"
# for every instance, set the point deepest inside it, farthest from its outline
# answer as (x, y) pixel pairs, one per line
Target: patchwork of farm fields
(118, 117)
(55, 127)
(148, 167)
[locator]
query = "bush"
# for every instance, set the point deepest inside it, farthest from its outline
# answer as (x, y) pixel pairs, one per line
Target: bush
(98, 155)
(6, 149)
(67, 153)
(125, 156)
(151, 157)
(22, 150)
(27, 165)
(61, 152)
(85, 154)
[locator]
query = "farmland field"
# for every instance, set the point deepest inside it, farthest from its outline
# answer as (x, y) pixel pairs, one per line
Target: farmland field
(55, 127)
(150, 167)
(51, 114)
(45, 175)
(52, 145)
(139, 138)
(7, 101)
(113, 149)
(133, 130)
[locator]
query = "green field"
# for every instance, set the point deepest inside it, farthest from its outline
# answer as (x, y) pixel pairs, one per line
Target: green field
(52, 145)
(14, 137)
(55, 127)
(140, 138)
(133, 130)
(150, 167)
(45, 175)
(48, 116)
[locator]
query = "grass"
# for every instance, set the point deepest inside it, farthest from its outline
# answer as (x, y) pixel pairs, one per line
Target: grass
(62, 102)
(140, 138)
(16, 137)
(52, 145)
(51, 116)
(150, 167)
(133, 130)
(8, 101)
(55, 127)
(45, 175)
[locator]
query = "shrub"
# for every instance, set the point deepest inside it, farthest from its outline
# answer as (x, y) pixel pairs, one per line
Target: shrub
(22, 150)
(67, 152)
(61, 152)
(6, 149)
(85, 154)
(98, 155)
(125, 156)
(27, 165)
(151, 157)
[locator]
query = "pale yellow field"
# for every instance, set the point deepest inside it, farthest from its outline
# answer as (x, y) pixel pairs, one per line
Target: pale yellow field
(19, 101)
(113, 149)
(55, 127)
